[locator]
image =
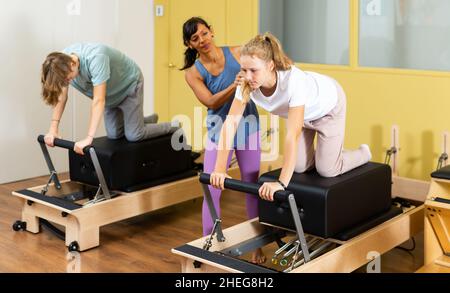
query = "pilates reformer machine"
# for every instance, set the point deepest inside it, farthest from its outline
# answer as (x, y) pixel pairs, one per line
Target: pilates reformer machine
(113, 181)
(437, 219)
(317, 224)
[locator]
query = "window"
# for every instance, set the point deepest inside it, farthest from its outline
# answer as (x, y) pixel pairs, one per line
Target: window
(310, 31)
(412, 34)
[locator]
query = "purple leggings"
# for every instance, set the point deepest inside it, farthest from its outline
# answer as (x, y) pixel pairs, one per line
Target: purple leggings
(248, 161)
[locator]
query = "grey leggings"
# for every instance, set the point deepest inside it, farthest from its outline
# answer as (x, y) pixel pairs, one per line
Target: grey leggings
(127, 119)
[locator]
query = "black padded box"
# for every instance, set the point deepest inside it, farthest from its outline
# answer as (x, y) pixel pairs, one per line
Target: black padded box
(332, 206)
(443, 173)
(130, 166)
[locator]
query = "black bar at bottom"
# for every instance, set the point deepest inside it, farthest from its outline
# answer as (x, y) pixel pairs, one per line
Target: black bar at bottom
(443, 200)
(53, 200)
(237, 264)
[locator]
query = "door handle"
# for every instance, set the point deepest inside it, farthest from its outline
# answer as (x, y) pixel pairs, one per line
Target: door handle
(171, 65)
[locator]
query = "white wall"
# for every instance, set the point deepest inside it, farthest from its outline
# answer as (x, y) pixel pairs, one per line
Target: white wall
(136, 38)
(29, 30)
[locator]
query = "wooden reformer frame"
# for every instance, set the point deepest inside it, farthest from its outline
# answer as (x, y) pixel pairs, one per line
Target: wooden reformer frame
(437, 222)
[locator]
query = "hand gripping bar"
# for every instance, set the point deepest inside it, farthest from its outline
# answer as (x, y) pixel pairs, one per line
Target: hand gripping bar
(62, 143)
(237, 185)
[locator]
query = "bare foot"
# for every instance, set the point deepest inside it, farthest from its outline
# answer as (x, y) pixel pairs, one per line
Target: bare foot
(258, 257)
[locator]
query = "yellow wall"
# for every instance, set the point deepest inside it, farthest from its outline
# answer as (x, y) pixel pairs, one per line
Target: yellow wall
(417, 101)
(161, 63)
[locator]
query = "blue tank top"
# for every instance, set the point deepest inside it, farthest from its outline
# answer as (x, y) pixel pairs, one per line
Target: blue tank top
(249, 123)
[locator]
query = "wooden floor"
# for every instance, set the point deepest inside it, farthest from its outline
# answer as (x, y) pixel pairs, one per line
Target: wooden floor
(140, 244)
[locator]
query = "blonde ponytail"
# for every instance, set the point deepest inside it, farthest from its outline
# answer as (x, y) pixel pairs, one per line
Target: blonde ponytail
(281, 60)
(268, 48)
(246, 90)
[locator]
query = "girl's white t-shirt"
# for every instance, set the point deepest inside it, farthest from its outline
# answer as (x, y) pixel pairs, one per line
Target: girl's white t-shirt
(317, 92)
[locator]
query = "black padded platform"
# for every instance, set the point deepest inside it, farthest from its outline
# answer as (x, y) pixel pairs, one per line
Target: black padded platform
(443, 173)
(330, 206)
(368, 224)
(131, 166)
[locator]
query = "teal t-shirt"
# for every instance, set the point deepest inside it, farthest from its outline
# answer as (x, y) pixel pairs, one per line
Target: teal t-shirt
(100, 63)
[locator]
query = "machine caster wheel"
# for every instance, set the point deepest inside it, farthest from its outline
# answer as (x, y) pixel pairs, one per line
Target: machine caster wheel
(197, 264)
(73, 246)
(19, 225)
